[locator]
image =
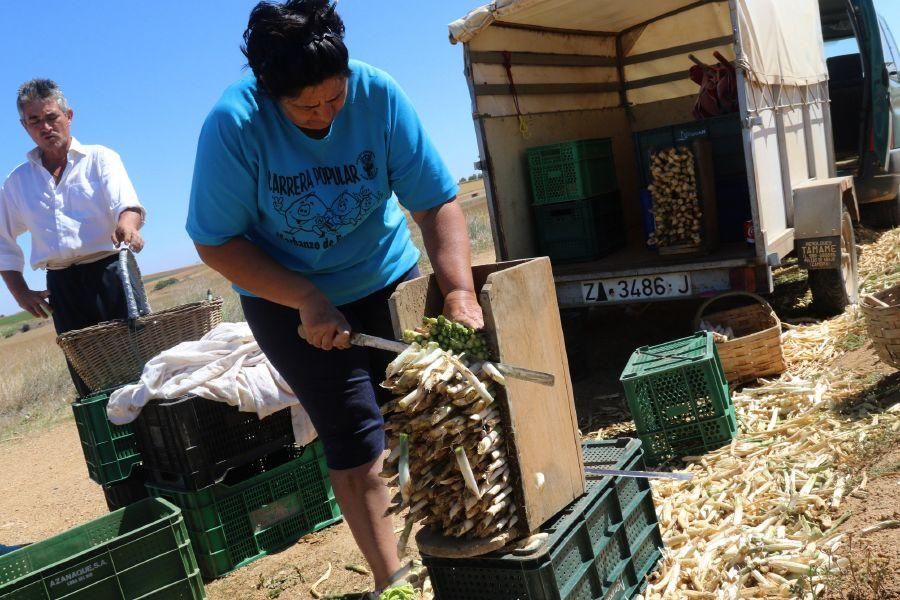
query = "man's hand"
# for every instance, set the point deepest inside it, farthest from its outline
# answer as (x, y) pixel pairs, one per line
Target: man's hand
(35, 302)
(462, 306)
(324, 325)
(127, 231)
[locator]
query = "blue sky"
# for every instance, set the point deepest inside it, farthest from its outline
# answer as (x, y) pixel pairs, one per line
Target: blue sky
(141, 77)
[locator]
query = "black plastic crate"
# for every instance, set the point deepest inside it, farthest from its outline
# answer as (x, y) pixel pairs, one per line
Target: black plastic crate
(602, 546)
(191, 443)
(125, 492)
(580, 230)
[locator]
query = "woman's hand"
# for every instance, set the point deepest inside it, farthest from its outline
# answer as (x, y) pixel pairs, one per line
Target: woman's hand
(324, 325)
(462, 306)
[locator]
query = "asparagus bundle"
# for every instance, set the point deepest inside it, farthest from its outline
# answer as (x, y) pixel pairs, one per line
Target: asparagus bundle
(446, 440)
(449, 336)
(676, 205)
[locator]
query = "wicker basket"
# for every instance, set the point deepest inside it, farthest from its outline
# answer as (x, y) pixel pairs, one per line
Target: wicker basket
(882, 312)
(114, 353)
(756, 349)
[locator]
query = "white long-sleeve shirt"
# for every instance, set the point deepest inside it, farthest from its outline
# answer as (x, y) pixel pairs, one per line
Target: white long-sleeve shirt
(70, 222)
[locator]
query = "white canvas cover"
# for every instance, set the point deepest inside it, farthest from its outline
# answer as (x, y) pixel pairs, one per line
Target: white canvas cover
(782, 39)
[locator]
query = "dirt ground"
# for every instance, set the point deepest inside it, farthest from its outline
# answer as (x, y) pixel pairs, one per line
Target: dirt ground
(874, 559)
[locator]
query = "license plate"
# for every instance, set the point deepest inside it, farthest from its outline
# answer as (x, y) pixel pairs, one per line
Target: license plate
(648, 287)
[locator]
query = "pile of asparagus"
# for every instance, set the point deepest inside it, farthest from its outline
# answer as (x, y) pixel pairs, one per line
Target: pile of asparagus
(676, 205)
(447, 450)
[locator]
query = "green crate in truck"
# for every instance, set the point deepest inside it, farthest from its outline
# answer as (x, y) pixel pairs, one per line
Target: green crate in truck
(580, 230)
(233, 524)
(139, 552)
(571, 170)
(110, 451)
(602, 546)
(679, 398)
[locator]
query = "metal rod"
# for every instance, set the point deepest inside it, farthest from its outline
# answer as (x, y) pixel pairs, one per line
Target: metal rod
(639, 474)
(371, 341)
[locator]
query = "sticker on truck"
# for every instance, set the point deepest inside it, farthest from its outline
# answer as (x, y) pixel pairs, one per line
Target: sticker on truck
(820, 253)
(647, 287)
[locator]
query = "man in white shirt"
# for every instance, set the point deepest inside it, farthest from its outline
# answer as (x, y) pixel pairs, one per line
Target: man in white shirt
(79, 205)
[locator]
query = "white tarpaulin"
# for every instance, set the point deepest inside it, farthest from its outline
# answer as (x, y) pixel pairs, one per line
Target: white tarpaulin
(583, 15)
(782, 39)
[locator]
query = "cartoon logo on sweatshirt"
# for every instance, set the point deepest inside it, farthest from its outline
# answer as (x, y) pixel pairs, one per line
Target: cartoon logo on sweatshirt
(315, 215)
(309, 214)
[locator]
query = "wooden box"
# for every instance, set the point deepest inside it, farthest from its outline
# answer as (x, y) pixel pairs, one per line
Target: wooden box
(522, 327)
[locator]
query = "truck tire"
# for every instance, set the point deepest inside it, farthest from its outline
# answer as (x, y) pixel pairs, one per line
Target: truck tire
(833, 289)
(882, 215)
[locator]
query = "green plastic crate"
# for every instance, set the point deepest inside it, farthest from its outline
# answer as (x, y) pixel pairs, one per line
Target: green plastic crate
(139, 552)
(602, 546)
(233, 525)
(580, 230)
(688, 440)
(110, 451)
(676, 383)
(571, 170)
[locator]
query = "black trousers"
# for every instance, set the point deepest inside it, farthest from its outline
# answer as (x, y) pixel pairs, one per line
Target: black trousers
(84, 295)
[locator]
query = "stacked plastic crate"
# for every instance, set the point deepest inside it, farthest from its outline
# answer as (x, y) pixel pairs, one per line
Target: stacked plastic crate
(142, 551)
(244, 488)
(679, 398)
(110, 451)
(603, 545)
(576, 203)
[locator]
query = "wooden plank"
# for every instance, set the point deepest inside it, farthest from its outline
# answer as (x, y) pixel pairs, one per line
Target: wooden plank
(677, 50)
(504, 89)
(658, 80)
(542, 59)
(522, 314)
(521, 324)
(563, 31)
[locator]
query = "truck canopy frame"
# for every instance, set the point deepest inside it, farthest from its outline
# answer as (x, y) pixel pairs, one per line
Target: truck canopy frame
(622, 67)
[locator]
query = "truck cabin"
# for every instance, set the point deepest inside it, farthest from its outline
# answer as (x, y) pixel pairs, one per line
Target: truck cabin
(862, 64)
(545, 72)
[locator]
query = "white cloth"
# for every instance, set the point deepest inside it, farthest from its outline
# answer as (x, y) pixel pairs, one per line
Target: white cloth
(225, 365)
(68, 221)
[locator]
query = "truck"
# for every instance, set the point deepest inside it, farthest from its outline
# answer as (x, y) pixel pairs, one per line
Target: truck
(785, 170)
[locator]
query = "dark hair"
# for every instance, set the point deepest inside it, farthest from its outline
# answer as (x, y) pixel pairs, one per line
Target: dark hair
(39, 89)
(294, 44)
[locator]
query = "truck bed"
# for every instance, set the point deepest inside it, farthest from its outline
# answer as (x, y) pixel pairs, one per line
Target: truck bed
(639, 260)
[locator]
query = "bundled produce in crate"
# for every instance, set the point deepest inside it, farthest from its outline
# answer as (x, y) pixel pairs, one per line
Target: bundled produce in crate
(683, 193)
(522, 328)
(676, 202)
(447, 445)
